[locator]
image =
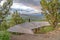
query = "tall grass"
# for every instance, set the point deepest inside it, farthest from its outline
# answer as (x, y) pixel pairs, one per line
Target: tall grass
(4, 35)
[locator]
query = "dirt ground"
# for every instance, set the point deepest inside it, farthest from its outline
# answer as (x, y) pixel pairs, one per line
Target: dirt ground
(54, 35)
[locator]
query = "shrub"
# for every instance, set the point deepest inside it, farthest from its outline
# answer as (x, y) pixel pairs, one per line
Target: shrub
(43, 29)
(4, 26)
(4, 35)
(46, 29)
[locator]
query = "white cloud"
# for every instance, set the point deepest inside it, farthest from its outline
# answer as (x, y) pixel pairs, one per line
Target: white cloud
(22, 6)
(2, 2)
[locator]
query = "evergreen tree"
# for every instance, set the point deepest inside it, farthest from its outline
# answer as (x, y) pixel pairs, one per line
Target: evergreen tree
(51, 10)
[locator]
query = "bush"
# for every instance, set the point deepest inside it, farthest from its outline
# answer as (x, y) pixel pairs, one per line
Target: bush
(4, 26)
(4, 35)
(46, 29)
(16, 19)
(43, 29)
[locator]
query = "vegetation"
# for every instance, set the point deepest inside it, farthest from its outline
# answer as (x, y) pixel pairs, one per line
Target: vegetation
(5, 9)
(4, 12)
(59, 18)
(51, 10)
(43, 29)
(16, 19)
(5, 24)
(4, 35)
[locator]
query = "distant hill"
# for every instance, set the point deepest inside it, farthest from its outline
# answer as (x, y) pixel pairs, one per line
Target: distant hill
(33, 17)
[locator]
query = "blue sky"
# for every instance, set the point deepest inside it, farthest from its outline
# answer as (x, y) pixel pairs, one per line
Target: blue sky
(26, 5)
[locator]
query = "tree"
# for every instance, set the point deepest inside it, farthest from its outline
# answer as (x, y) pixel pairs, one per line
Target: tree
(50, 9)
(16, 19)
(4, 12)
(59, 18)
(5, 9)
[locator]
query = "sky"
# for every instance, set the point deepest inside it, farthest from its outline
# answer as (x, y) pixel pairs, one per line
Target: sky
(29, 5)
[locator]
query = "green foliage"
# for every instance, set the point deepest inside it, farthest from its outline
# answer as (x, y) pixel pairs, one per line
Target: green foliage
(5, 9)
(16, 19)
(4, 13)
(4, 35)
(4, 25)
(43, 29)
(51, 11)
(46, 29)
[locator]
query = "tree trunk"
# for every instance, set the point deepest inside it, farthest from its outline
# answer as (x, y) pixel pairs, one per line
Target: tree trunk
(54, 24)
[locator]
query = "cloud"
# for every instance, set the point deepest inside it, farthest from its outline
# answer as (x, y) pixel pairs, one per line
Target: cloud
(23, 8)
(2, 1)
(20, 6)
(28, 6)
(32, 3)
